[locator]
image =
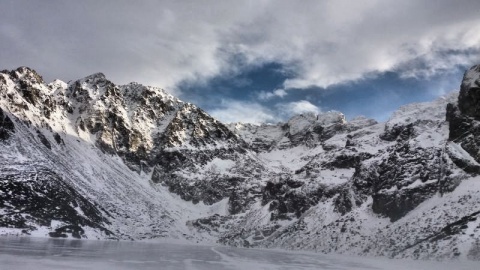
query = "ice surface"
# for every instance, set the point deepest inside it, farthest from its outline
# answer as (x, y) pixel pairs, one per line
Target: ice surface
(42, 254)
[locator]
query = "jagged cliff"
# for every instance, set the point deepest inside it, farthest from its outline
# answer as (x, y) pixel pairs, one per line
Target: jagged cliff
(93, 159)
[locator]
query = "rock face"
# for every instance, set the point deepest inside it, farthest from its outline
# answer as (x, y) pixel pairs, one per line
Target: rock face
(469, 97)
(91, 159)
(6, 126)
(464, 119)
(39, 197)
(98, 139)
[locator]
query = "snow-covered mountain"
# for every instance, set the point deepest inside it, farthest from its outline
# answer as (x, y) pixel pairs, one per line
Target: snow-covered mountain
(91, 159)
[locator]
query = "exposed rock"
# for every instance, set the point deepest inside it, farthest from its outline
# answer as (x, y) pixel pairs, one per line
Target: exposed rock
(464, 118)
(469, 97)
(44, 140)
(39, 197)
(6, 126)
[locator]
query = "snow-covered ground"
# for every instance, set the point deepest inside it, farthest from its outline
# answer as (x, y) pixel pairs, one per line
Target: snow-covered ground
(132, 162)
(42, 254)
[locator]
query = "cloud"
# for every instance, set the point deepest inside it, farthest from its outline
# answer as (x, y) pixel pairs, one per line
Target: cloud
(162, 43)
(264, 95)
(231, 111)
(439, 62)
(296, 107)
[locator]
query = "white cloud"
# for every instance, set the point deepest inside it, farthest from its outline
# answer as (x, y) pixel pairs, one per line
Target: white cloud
(264, 95)
(232, 111)
(297, 107)
(164, 42)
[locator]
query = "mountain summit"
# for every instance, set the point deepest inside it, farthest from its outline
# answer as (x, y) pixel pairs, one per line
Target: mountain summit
(91, 159)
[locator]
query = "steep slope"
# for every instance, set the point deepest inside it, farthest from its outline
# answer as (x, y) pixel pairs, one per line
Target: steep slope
(91, 159)
(464, 119)
(93, 141)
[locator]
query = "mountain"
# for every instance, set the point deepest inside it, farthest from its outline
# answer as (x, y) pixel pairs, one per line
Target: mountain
(91, 159)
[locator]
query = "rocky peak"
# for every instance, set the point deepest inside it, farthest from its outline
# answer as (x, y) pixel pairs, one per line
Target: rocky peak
(94, 78)
(132, 121)
(416, 117)
(25, 74)
(24, 90)
(92, 87)
(301, 123)
(331, 117)
(311, 121)
(469, 98)
(464, 126)
(58, 84)
(309, 129)
(361, 122)
(154, 102)
(191, 126)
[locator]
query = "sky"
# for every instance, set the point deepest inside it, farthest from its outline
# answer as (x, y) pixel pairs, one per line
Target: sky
(258, 61)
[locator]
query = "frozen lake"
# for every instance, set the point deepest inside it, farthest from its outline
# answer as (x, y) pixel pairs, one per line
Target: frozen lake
(41, 254)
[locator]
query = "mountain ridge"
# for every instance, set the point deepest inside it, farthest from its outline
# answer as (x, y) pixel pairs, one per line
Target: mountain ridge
(153, 167)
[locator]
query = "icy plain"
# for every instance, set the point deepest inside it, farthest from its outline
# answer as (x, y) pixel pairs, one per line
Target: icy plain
(51, 254)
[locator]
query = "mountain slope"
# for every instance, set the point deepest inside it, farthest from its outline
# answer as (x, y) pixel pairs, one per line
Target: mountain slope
(91, 159)
(84, 135)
